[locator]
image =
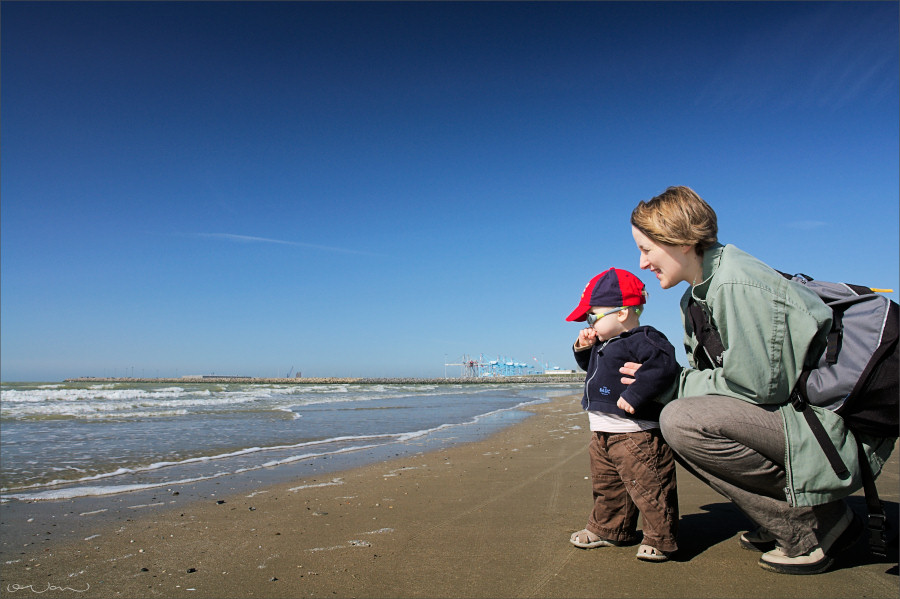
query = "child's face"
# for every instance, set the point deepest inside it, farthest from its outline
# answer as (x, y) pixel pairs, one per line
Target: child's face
(608, 324)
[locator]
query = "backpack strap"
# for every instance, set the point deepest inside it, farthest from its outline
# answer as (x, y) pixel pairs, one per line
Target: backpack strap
(798, 400)
(709, 351)
(835, 337)
(877, 525)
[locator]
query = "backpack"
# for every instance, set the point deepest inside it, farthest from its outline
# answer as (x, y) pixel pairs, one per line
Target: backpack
(856, 376)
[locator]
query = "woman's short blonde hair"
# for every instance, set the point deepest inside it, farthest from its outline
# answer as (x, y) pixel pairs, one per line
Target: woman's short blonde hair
(677, 216)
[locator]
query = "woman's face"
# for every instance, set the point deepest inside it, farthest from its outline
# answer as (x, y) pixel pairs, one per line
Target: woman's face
(671, 264)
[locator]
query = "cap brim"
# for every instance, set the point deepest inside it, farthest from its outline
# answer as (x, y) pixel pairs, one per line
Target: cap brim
(579, 314)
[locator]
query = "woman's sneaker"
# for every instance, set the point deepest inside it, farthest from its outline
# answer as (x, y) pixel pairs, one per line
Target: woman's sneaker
(843, 535)
(758, 540)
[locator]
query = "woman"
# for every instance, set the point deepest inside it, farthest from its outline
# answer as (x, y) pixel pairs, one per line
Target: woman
(732, 424)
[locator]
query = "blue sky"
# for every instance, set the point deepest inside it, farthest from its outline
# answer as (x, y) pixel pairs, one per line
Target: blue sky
(376, 189)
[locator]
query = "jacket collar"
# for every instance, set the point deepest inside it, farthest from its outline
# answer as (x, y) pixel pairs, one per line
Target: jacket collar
(711, 259)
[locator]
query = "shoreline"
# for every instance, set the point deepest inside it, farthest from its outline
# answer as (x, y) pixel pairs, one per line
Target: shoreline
(489, 518)
(95, 500)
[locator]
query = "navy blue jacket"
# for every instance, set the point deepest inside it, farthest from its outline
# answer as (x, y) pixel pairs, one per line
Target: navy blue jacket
(602, 385)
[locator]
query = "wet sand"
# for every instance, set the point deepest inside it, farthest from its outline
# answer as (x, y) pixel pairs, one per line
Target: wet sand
(484, 519)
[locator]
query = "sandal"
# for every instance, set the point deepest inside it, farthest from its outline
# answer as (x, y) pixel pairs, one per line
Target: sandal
(648, 553)
(585, 539)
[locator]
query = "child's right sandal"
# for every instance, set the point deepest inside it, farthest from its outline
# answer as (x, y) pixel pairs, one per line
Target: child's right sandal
(649, 553)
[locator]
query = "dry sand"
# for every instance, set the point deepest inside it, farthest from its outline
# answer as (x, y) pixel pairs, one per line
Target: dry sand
(484, 519)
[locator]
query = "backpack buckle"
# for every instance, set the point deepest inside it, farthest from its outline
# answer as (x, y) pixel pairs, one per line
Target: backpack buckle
(877, 534)
(797, 400)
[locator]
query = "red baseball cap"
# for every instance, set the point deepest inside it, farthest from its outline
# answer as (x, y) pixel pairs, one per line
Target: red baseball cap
(610, 289)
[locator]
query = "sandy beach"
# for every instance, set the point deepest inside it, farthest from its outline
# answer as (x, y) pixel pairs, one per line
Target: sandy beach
(484, 519)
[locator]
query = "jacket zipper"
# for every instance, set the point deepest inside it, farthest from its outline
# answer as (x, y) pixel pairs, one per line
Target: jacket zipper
(587, 388)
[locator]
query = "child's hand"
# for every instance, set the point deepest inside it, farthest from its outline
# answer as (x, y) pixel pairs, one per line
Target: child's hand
(624, 405)
(586, 337)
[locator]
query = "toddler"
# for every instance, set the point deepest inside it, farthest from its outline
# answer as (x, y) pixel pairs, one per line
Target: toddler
(632, 467)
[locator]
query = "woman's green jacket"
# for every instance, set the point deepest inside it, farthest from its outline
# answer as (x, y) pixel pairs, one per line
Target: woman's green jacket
(770, 328)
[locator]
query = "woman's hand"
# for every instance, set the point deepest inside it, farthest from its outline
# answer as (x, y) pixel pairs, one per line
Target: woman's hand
(628, 369)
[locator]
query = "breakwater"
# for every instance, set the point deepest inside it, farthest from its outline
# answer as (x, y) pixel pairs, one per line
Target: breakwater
(541, 378)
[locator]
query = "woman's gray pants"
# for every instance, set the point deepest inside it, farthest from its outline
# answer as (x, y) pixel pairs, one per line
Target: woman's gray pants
(737, 448)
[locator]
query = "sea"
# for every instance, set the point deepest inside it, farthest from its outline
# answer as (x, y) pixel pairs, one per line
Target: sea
(92, 439)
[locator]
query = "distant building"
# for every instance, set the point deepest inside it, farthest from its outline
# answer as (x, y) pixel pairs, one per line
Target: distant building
(214, 376)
